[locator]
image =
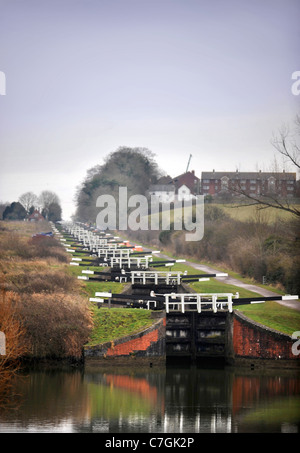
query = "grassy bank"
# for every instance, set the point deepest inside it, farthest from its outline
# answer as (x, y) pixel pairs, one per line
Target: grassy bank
(273, 315)
(113, 323)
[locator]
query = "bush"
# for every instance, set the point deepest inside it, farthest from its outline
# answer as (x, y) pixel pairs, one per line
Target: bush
(47, 247)
(165, 236)
(57, 324)
(15, 346)
(40, 281)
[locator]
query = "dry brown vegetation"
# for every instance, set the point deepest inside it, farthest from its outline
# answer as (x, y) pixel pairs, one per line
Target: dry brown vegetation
(14, 344)
(44, 299)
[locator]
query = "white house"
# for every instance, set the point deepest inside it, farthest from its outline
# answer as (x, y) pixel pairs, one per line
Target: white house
(164, 192)
(184, 193)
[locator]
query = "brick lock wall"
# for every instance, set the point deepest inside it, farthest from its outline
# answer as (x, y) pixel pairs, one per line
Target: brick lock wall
(148, 343)
(251, 340)
(134, 345)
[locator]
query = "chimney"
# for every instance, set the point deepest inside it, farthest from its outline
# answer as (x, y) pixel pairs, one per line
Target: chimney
(193, 172)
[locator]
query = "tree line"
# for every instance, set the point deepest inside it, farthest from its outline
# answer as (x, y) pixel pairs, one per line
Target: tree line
(47, 204)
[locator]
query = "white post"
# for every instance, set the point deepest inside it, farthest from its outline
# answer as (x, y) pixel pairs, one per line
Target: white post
(182, 302)
(214, 303)
(198, 303)
(167, 302)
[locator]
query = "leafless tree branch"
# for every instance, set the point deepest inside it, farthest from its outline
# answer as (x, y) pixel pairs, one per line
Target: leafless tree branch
(288, 147)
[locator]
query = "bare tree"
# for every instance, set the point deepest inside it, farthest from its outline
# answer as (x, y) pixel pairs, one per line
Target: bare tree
(28, 199)
(287, 144)
(46, 199)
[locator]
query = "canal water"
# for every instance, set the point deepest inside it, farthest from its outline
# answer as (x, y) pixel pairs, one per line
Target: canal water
(175, 399)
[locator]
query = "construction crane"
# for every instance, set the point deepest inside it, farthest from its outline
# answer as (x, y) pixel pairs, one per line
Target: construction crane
(188, 163)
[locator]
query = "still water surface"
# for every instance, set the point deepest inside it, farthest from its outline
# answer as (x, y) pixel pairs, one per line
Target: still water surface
(168, 400)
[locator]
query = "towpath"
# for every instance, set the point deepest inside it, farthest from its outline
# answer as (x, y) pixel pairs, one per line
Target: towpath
(295, 304)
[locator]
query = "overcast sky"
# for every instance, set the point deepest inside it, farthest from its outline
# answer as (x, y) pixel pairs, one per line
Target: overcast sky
(211, 78)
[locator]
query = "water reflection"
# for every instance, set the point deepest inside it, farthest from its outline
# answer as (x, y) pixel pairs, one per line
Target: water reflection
(168, 400)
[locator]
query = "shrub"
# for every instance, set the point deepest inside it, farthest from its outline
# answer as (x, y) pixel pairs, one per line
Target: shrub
(15, 345)
(47, 247)
(57, 324)
(35, 281)
(165, 236)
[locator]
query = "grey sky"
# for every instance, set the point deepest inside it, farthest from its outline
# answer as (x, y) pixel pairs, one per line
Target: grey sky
(180, 77)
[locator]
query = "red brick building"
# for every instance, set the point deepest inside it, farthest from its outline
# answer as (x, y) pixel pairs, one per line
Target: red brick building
(188, 179)
(36, 216)
(282, 184)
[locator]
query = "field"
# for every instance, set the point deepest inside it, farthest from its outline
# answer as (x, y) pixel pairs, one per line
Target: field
(245, 213)
(274, 316)
(239, 212)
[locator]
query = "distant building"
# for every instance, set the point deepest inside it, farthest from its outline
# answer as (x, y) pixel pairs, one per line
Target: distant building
(187, 185)
(164, 192)
(36, 216)
(184, 187)
(282, 184)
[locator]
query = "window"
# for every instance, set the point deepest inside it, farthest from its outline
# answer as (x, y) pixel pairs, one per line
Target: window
(271, 184)
(224, 183)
